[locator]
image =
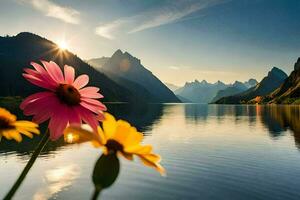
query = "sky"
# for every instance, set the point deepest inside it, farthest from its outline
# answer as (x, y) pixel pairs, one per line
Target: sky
(178, 40)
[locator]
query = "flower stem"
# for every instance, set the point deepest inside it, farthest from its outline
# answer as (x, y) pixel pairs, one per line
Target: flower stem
(96, 193)
(30, 163)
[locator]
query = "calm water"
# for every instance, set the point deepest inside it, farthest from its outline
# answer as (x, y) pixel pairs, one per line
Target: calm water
(209, 151)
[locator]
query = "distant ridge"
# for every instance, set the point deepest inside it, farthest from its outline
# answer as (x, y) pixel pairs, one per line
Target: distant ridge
(236, 88)
(128, 71)
(267, 85)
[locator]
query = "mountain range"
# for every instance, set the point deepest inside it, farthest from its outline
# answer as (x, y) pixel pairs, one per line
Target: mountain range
(236, 88)
(204, 92)
(128, 71)
(267, 85)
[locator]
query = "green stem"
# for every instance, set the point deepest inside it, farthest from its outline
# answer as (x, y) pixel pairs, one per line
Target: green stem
(96, 193)
(30, 163)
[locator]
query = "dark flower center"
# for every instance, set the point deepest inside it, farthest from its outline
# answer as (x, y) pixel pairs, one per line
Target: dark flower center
(68, 94)
(114, 146)
(5, 123)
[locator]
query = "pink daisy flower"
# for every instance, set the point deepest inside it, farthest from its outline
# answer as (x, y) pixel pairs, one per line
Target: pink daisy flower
(66, 101)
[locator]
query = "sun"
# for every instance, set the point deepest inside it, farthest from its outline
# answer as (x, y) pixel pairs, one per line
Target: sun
(63, 45)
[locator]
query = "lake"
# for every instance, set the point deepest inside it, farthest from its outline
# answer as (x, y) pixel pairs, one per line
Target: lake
(209, 151)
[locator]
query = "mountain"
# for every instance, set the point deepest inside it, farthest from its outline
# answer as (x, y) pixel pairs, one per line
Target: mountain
(128, 71)
(98, 62)
(18, 51)
(250, 83)
(172, 87)
(200, 92)
(267, 85)
(236, 88)
(289, 91)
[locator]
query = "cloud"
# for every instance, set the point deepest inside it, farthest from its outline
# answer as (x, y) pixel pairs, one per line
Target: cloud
(174, 12)
(174, 68)
(107, 30)
(51, 9)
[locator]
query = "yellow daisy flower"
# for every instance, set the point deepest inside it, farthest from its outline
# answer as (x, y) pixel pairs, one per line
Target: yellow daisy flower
(116, 136)
(10, 128)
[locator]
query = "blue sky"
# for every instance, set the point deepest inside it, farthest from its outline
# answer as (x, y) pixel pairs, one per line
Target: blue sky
(178, 40)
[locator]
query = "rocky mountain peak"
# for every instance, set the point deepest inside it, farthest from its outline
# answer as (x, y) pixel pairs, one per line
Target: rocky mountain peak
(278, 73)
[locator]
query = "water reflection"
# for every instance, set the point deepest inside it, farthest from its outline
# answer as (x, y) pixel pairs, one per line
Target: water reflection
(142, 116)
(278, 119)
(56, 180)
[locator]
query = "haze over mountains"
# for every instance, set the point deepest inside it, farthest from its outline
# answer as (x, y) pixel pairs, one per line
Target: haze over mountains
(204, 92)
(128, 71)
(236, 88)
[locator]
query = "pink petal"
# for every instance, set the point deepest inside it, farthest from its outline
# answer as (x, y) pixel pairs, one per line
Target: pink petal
(41, 105)
(54, 71)
(94, 102)
(92, 108)
(38, 82)
(88, 117)
(38, 67)
(90, 92)
(81, 81)
(44, 73)
(58, 121)
(74, 118)
(92, 95)
(69, 74)
(100, 116)
(32, 72)
(34, 97)
(41, 116)
(57, 125)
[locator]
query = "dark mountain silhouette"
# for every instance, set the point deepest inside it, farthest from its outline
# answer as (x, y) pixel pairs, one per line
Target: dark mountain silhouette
(267, 85)
(200, 92)
(236, 88)
(289, 91)
(18, 51)
(130, 73)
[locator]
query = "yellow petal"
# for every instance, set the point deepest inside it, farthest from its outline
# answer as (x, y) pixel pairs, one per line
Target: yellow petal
(23, 123)
(27, 133)
(101, 135)
(13, 134)
(96, 144)
(109, 126)
(7, 115)
(28, 129)
(128, 156)
(154, 165)
(152, 157)
(76, 134)
(122, 131)
(133, 138)
(138, 149)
